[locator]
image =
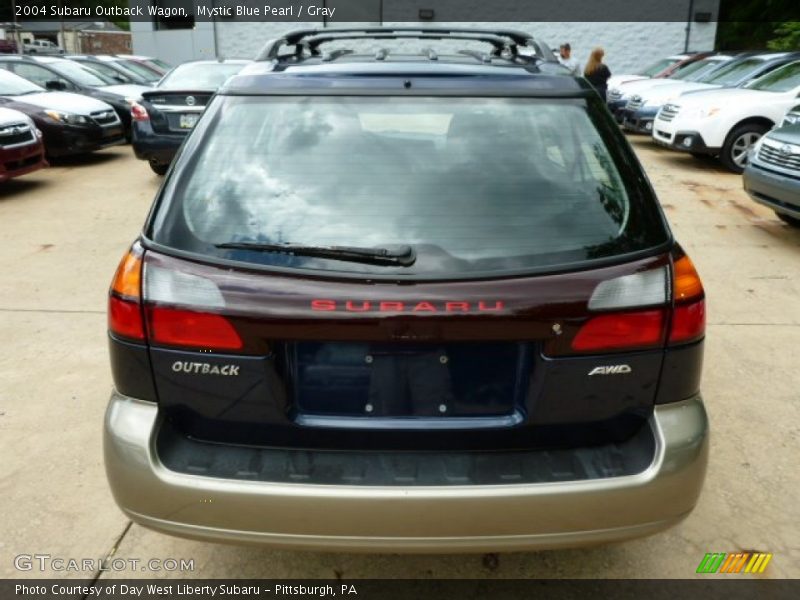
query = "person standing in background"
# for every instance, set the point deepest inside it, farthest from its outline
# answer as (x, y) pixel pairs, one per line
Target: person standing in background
(597, 72)
(565, 58)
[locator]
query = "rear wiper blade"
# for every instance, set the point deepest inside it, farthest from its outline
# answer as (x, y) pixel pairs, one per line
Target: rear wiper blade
(401, 255)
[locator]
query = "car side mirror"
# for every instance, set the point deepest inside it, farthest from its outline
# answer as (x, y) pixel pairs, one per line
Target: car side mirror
(55, 85)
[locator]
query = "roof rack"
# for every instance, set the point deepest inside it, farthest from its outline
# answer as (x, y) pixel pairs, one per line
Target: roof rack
(309, 40)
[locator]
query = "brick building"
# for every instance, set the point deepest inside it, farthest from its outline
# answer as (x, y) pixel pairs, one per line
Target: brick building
(79, 37)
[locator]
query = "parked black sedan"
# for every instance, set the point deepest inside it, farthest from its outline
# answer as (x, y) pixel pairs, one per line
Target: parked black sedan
(168, 112)
(70, 123)
(60, 74)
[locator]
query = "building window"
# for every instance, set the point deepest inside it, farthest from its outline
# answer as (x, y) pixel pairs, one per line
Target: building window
(175, 22)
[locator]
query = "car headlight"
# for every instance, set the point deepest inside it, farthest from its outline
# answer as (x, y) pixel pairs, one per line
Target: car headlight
(34, 128)
(791, 119)
(68, 118)
(706, 111)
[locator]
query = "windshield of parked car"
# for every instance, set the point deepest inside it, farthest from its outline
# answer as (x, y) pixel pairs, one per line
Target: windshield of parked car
(80, 74)
(472, 185)
(108, 71)
(145, 73)
(734, 72)
(686, 71)
(200, 76)
(780, 80)
(159, 63)
(656, 67)
(703, 69)
(14, 85)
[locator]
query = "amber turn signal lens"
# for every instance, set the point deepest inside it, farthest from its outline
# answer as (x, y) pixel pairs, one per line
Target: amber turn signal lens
(128, 278)
(687, 285)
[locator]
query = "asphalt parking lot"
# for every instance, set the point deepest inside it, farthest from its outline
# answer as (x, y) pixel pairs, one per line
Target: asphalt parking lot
(63, 231)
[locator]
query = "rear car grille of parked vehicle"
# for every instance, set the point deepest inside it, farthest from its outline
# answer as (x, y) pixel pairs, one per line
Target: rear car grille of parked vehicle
(785, 155)
(18, 133)
(669, 112)
(105, 117)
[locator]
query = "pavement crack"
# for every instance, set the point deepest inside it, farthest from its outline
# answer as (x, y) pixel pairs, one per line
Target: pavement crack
(108, 557)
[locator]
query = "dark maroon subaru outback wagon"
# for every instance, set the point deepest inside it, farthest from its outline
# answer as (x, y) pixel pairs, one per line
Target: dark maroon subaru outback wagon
(406, 300)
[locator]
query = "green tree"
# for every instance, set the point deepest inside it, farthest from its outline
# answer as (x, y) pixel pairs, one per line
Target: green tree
(788, 37)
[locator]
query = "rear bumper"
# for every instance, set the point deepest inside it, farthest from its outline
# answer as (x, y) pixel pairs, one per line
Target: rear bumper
(154, 147)
(774, 190)
(467, 518)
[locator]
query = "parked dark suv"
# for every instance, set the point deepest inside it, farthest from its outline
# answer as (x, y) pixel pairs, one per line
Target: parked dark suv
(406, 301)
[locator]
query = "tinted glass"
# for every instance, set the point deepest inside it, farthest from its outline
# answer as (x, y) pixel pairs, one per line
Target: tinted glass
(733, 73)
(13, 85)
(202, 76)
(657, 67)
(780, 80)
(139, 69)
(104, 70)
(700, 70)
(473, 185)
(79, 74)
(686, 70)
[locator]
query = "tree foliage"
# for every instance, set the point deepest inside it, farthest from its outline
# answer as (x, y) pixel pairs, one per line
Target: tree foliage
(787, 37)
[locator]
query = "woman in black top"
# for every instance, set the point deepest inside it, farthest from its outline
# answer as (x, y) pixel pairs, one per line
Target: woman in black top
(597, 73)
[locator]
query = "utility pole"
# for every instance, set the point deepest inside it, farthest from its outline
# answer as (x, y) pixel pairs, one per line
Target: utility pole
(17, 37)
(63, 41)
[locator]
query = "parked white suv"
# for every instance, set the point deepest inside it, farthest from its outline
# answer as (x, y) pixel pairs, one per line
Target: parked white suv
(727, 122)
(41, 47)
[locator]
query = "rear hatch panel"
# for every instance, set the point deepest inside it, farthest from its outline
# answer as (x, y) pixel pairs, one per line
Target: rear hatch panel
(423, 365)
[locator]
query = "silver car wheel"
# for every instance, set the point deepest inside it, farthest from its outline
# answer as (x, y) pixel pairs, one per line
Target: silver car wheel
(741, 146)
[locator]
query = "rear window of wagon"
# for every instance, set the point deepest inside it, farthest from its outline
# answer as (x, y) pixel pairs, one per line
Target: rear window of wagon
(474, 185)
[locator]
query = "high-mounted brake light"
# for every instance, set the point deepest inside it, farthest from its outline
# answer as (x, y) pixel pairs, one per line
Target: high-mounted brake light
(139, 112)
(124, 302)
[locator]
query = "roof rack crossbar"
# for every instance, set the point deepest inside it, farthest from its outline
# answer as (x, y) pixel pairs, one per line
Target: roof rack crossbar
(333, 55)
(481, 56)
(310, 39)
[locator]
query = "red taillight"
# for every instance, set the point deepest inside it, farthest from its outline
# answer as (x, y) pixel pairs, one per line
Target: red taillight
(124, 301)
(689, 314)
(688, 322)
(139, 112)
(616, 331)
(125, 318)
(206, 331)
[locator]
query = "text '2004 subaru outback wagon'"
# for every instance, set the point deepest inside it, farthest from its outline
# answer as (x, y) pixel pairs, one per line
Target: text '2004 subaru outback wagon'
(416, 301)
